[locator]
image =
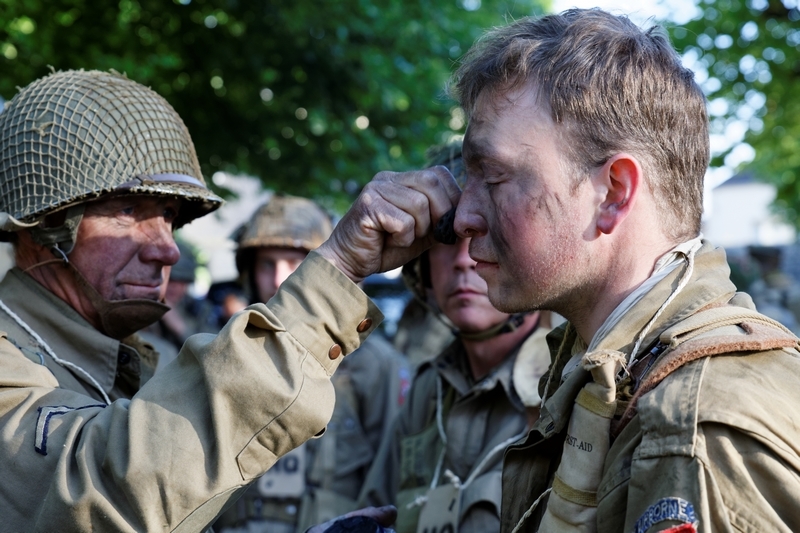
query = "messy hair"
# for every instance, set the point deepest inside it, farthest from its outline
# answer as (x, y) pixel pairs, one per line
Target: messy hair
(613, 88)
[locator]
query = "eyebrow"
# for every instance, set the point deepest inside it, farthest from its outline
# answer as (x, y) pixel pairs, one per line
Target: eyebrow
(478, 149)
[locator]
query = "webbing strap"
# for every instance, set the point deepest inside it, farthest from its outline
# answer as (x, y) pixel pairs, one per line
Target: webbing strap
(592, 403)
(580, 497)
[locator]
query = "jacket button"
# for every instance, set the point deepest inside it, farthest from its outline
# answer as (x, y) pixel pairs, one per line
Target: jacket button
(364, 325)
(335, 351)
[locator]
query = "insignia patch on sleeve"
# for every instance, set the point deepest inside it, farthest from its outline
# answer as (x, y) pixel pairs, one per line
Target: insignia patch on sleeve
(685, 528)
(675, 509)
(43, 423)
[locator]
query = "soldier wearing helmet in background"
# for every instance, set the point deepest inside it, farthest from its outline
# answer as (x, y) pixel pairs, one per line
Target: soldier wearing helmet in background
(96, 171)
(466, 404)
(321, 479)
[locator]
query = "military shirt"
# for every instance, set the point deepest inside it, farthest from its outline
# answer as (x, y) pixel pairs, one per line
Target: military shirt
(715, 446)
(479, 420)
(172, 455)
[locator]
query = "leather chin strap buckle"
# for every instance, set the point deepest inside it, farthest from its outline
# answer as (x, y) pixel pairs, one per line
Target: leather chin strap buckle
(60, 239)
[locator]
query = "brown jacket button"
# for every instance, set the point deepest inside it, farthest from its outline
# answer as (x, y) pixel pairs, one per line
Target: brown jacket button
(335, 351)
(364, 325)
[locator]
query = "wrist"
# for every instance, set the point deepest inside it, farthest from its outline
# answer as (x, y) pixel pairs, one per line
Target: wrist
(328, 253)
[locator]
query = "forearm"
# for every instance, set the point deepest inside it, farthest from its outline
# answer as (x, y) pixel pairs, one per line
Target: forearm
(217, 417)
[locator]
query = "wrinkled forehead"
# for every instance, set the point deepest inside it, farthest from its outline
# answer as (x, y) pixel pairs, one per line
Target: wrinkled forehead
(501, 122)
(499, 98)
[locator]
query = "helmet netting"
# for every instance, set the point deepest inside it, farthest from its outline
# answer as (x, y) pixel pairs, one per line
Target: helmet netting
(75, 135)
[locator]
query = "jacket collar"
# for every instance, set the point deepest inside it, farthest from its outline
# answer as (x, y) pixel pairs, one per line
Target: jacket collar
(452, 365)
(709, 284)
(67, 333)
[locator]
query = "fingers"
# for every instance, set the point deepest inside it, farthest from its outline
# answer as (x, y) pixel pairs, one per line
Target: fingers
(385, 515)
(403, 212)
(391, 221)
(436, 184)
(426, 195)
(448, 182)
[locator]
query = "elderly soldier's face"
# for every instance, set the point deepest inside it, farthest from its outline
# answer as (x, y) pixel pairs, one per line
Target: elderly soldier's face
(459, 291)
(529, 222)
(123, 244)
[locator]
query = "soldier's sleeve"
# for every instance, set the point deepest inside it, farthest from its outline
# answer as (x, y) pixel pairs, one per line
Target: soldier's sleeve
(735, 483)
(212, 421)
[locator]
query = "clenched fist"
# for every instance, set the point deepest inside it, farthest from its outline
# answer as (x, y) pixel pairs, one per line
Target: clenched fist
(391, 222)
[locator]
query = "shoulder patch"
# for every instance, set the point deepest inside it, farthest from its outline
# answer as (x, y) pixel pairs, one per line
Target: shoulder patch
(685, 528)
(673, 508)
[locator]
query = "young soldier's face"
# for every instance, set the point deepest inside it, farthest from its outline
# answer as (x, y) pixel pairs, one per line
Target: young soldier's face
(124, 243)
(459, 291)
(529, 221)
(273, 266)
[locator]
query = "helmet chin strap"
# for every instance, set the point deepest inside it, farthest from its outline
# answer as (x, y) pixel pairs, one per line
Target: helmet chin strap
(512, 323)
(120, 318)
(60, 239)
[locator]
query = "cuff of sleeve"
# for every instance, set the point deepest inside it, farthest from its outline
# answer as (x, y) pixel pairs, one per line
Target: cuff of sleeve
(323, 309)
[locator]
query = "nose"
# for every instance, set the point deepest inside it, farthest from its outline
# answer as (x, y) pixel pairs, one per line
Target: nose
(160, 246)
(469, 221)
(462, 260)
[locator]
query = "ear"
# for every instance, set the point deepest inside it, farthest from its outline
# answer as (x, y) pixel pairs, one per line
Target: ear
(618, 180)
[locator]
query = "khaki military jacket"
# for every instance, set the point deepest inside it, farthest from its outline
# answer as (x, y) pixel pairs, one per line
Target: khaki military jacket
(171, 456)
(168, 343)
(370, 385)
(479, 420)
(713, 447)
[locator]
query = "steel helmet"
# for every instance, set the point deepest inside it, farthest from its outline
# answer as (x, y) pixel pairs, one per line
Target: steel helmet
(283, 222)
(75, 136)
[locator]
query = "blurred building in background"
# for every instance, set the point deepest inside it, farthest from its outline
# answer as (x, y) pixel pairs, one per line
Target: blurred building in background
(738, 214)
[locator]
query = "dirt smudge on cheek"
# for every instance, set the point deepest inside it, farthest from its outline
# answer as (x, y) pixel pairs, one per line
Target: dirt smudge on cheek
(511, 225)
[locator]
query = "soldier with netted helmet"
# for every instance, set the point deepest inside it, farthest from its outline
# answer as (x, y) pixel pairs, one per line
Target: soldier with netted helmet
(321, 479)
(96, 172)
(466, 403)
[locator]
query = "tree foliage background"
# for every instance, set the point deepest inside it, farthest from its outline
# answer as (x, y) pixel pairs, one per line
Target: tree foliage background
(750, 50)
(312, 96)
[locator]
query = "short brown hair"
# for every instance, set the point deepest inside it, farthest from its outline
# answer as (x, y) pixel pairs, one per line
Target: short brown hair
(617, 88)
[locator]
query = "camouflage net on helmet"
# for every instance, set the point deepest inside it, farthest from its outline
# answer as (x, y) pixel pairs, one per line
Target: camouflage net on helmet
(75, 135)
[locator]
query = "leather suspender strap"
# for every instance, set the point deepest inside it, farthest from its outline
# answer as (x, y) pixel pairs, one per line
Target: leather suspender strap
(756, 333)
